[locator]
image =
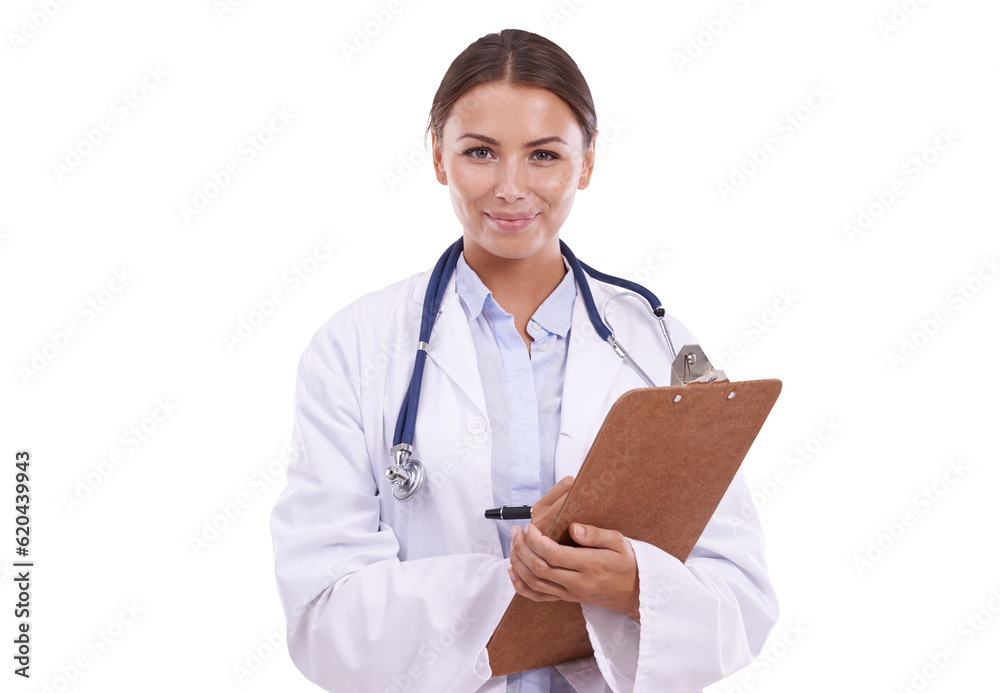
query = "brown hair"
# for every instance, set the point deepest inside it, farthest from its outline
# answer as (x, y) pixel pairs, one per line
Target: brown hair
(516, 57)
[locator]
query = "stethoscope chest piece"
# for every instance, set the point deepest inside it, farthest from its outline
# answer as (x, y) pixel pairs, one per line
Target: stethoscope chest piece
(405, 475)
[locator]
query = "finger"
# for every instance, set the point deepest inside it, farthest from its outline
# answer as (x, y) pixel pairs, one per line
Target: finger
(568, 585)
(517, 541)
(564, 484)
(555, 555)
(562, 496)
(516, 536)
(521, 587)
(530, 565)
(547, 518)
(532, 582)
(560, 489)
(536, 572)
(597, 537)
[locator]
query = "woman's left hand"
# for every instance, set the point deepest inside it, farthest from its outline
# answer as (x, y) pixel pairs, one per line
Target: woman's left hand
(602, 571)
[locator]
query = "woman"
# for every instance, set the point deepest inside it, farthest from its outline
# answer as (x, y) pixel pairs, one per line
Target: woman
(389, 595)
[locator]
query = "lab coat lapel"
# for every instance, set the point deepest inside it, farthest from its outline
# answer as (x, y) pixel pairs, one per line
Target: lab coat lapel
(591, 370)
(451, 347)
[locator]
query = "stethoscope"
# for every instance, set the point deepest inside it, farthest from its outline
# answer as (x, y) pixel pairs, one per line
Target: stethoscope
(407, 475)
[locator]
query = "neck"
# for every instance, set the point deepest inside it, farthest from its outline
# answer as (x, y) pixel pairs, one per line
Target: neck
(518, 284)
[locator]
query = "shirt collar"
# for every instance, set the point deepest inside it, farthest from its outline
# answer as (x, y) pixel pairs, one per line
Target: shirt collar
(555, 314)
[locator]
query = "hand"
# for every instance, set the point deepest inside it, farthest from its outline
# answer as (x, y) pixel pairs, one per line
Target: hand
(543, 513)
(602, 571)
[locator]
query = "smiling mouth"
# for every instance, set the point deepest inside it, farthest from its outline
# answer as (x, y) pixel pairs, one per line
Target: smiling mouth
(513, 217)
(511, 222)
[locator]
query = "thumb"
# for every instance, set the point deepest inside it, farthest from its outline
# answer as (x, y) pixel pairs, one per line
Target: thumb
(589, 535)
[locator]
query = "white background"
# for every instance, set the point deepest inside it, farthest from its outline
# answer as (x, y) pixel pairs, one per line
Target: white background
(834, 304)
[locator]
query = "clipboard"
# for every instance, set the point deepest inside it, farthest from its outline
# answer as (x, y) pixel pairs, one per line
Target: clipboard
(674, 449)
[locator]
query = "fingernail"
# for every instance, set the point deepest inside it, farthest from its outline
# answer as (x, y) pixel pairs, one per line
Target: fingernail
(510, 574)
(580, 531)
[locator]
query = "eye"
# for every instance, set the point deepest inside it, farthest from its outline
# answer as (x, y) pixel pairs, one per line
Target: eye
(547, 155)
(474, 152)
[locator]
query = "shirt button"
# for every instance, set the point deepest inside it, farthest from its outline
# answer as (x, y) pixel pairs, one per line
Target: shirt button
(482, 546)
(476, 425)
(543, 347)
(535, 324)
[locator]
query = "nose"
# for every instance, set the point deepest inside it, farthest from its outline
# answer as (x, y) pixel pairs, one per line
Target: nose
(511, 180)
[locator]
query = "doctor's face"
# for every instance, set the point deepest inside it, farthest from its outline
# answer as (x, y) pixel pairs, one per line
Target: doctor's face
(512, 158)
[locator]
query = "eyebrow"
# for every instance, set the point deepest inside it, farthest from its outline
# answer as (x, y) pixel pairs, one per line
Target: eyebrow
(534, 143)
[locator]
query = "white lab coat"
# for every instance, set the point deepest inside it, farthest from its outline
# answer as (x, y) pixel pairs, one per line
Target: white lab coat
(389, 596)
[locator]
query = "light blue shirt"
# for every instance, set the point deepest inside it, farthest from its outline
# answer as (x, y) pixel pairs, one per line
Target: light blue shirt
(524, 404)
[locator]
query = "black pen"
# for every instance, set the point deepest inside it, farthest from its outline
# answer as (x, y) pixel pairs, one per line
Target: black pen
(509, 512)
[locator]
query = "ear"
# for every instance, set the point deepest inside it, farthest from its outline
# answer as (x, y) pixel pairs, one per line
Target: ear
(588, 163)
(438, 159)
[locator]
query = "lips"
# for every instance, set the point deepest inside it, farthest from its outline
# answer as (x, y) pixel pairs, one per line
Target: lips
(512, 217)
(511, 222)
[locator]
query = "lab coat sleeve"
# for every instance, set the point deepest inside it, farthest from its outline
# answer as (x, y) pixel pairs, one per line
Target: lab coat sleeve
(700, 620)
(358, 618)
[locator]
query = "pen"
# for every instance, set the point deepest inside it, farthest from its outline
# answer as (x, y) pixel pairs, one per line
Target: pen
(509, 512)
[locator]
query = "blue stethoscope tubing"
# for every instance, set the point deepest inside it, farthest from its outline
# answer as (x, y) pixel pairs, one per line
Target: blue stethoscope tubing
(440, 275)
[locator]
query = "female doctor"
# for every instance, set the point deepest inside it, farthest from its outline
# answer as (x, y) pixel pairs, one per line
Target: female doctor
(391, 595)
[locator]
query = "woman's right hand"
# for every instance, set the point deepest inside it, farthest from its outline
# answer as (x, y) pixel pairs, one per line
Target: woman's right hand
(544, 511)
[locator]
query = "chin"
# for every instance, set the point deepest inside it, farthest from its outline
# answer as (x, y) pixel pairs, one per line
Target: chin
(511, 245)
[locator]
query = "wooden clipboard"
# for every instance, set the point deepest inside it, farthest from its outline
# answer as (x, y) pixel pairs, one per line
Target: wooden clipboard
(656, 472)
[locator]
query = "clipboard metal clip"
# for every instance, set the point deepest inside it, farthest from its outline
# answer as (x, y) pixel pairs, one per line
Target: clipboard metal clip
(692, 366)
